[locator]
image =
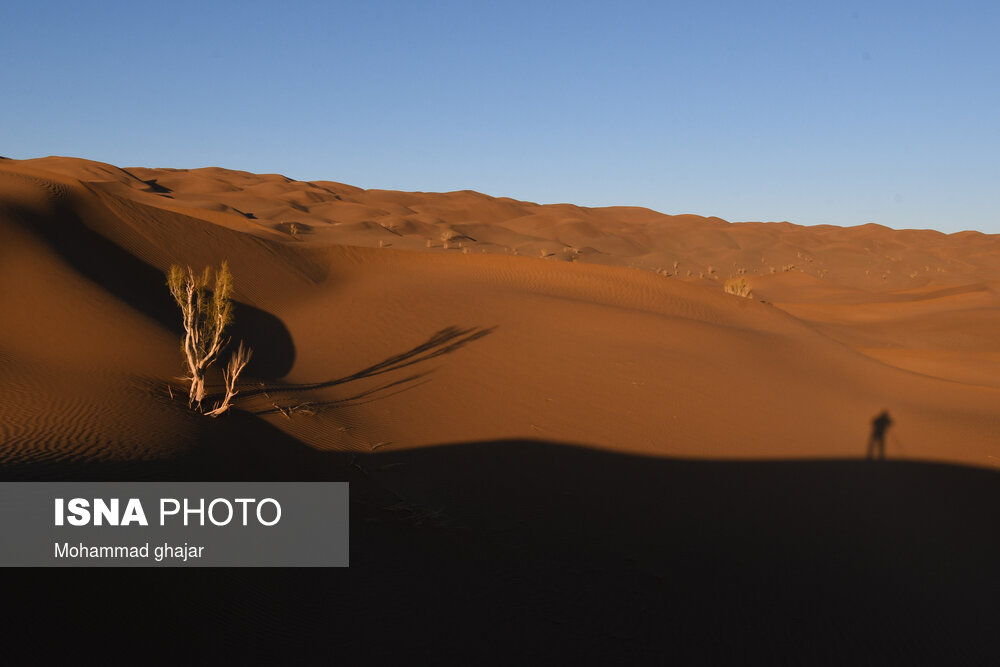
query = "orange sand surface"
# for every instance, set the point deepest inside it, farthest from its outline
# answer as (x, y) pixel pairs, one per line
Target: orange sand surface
(600, 327)
(559, 376)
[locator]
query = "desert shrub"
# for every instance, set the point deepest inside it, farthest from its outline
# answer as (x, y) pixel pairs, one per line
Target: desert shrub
(739, 286)
(294, 229)
(206, 315)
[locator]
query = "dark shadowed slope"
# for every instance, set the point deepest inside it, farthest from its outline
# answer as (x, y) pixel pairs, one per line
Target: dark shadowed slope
(545, 551)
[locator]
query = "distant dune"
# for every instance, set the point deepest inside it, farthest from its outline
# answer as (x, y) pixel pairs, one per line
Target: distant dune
(506, 319)
(387, 324)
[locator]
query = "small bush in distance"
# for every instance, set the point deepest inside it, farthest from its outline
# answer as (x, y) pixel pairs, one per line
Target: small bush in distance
(739, 286)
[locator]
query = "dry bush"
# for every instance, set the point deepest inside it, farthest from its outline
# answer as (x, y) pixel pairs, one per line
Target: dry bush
(206, 315)
(738, 286)
(572, 254)
(293, 229)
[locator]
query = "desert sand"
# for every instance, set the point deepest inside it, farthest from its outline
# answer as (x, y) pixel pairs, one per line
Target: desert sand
(557, 424)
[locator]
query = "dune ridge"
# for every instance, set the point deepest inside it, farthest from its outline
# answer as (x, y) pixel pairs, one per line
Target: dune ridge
(583, 349)
(559, 444)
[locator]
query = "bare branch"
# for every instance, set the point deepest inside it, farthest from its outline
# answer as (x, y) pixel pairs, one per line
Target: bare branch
(231, 373)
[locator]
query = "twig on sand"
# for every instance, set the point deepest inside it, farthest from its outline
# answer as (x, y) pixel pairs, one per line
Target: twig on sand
(301, 408)
(380, 444)
(358, 466)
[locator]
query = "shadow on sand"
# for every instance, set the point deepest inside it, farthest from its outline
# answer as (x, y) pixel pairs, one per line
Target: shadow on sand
(549, 552)
(876, 441)
(445, 341)
(143, 288)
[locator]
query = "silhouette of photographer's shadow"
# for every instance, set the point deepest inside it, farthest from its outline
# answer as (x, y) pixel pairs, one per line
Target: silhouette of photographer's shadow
(876, 441)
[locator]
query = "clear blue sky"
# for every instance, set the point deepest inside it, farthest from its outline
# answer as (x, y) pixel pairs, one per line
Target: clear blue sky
(814, 112)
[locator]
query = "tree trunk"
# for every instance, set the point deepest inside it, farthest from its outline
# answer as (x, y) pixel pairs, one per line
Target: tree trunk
(197, 392)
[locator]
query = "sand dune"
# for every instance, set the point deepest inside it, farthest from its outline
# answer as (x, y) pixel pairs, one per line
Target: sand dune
(386, 324)
(578, 346)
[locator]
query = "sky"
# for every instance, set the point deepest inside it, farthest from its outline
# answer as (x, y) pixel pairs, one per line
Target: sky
(838, 112)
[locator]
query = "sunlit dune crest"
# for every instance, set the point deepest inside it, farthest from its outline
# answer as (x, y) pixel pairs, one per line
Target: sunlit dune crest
(607, 327)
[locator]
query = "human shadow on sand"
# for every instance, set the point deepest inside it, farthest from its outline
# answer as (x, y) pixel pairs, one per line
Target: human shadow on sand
(875, 450)
(540, 552)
